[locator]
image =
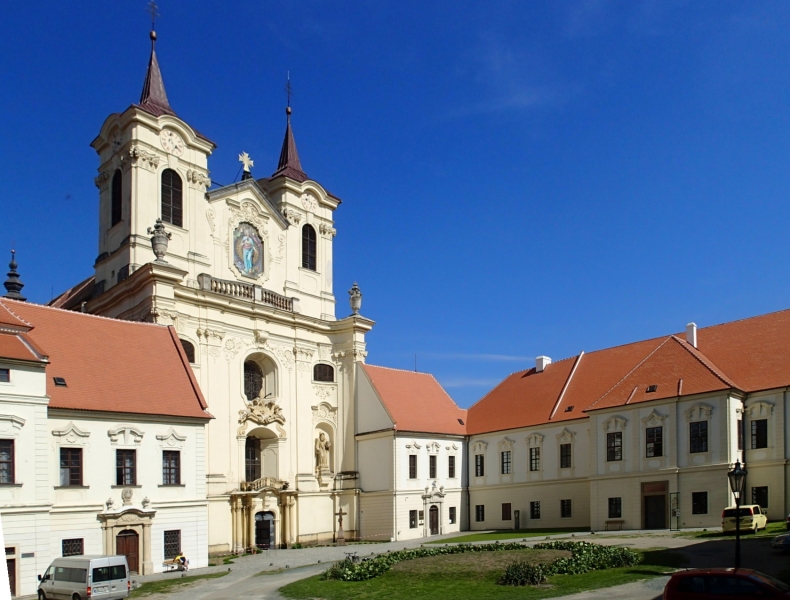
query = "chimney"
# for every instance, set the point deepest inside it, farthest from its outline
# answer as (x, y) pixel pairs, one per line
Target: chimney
(691, 334)
(541, 362)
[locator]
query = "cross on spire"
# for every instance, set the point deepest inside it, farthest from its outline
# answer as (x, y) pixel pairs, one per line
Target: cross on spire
(288, 93)
(153, 10)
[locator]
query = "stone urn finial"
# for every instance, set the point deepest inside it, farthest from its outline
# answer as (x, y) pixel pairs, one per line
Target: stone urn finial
(159, 240)
(146, 502)
(355, 298)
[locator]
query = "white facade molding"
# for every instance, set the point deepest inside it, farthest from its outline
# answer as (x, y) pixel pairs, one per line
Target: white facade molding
(125, 436)
(654, 419)
(433, 448)
(10, 425)
(479, 447)
(171, 439)
(72, 435)
(565, 436)
(325, 413)
(761, 409)
(413, 445)
(698, 412)
(615, 423)
(534, 440)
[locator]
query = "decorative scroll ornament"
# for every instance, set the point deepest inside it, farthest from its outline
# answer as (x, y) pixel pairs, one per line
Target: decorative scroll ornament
(263, 413)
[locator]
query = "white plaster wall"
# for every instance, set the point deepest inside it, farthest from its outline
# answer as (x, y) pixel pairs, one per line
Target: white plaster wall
(371, 414)
(376, 516)
(376, 463)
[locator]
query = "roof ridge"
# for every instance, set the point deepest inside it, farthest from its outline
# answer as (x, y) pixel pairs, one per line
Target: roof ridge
(624, 377)
(775, 312)
(76, 313)
(446, 393)
(489, 392)
(13, 314)
(396, 369)
(706, 362)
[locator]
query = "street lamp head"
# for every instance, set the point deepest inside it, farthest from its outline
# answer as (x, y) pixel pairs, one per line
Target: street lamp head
(737, 479)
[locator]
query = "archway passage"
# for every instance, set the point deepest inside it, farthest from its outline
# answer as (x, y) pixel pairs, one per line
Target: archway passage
(264, 530)
(434, 519)
(128, 543)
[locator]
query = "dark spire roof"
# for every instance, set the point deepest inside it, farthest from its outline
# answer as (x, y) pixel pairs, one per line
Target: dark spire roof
(12, 285)
(289, 164)
(154, 98)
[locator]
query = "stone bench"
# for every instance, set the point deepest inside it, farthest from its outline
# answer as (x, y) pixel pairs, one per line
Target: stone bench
(612, 524)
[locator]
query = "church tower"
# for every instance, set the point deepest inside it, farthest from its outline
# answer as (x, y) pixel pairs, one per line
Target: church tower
(153, 165)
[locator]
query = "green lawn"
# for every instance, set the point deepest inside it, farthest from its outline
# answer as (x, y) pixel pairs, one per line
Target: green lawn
(506, 534)
(417, 583)
(170, 585)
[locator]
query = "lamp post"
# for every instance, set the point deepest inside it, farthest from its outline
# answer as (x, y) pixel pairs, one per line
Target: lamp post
(737, 479)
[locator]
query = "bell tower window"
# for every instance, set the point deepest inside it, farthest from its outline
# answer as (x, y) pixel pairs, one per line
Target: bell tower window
(308, 247)
(116, 198)
(172, 198)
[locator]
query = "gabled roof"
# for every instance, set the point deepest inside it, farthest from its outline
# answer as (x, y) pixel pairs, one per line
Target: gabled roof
(75, 295)
(416, 401)
(112, 365)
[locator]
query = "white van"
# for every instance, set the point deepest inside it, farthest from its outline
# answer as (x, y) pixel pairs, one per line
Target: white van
(83, 577)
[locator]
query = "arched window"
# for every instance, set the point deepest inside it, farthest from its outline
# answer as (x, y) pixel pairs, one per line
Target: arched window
(253, 380)
(308, 247)
(189, 349)
(172, 203)
(116, 198)
(322, 372)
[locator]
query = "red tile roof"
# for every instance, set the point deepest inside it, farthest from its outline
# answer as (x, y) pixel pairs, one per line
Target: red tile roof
(14, 347)
(112, 365)
(748, 355)
(416, 401)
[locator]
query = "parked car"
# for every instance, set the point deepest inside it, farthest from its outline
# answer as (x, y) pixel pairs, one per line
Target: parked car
(752, 517)
(781, 542)
(83, 577)
(704, 584)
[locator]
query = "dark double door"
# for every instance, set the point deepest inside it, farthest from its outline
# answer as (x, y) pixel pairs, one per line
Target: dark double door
(433, 520)
(128, 543)
(655, 512)
(264, 530)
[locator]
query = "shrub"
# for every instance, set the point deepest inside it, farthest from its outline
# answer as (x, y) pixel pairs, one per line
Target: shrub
(524, 573)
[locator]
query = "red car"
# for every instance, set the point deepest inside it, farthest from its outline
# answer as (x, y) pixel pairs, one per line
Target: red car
(704, 584)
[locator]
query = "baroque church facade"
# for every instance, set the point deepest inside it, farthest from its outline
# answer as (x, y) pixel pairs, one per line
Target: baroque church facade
(244, 274)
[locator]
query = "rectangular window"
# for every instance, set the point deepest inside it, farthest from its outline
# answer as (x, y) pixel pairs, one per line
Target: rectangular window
(70, 466)
(5, 375)
(655, 442)
(412, 466)
(534, 459)
(760, 496)
(760, 433)
(451, 467)
(172, 544)
(740, 434)
(480, 513)
(432, 466)
(73, 547)
(421, 516)
(506, 464)
(614, 446)
(506, 512)
(452, 515)
(125, 471)
(615, 508)
(171, 467)
(566, 509)
(6, 461)
(699, 436)
(534, 510)
(565, 456)
(480, 470)
(412, 519)
(699, 503)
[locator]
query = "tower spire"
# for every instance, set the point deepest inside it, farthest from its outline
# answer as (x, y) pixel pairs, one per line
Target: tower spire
(154, 98)
(289, 164)
(13, 285)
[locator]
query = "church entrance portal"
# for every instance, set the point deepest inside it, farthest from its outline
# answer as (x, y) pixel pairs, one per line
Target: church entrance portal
(434, 519)
(128, 543)
(264, 530)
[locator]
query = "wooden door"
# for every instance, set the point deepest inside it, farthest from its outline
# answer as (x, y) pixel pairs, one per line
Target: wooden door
(655, 512)
(128, 543)
(434, 519)
(11, 564)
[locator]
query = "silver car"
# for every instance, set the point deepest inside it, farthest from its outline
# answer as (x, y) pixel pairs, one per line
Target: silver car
(83, 577)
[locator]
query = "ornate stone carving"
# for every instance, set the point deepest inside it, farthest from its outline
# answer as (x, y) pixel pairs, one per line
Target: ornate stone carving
(125, 435)
(198, 178)
(211, 334)
(285, 355)
(232, 347)
(292, 216)
(71, 434)
(126, 496)
(355, 298)
(248, 213)
(101, 180)
(309, 202)
(109, 503)
(323, 391)
(147, 160)
(263, 413)
(324, 412)
(327, 230)
(146, 501)
(171, 439)
(210, 216)
(11, 424)
(280, 248)
(160, 238)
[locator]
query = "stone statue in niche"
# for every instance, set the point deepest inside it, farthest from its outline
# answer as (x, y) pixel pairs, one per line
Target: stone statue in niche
(322, 445)
(247, 250)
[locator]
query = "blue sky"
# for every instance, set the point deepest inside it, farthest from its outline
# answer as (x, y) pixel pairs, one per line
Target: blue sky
(519, 178)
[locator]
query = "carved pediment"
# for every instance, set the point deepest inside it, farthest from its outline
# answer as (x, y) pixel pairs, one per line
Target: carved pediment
(615, 423)
(264, 413)
(760, 409)
(654, 419)
(534, 439)
(479, 447)
(10, 425)
(506, 444)
(71, 434)
(433, 448)
(324, 412)
(565, 436)
(699, 412)
(125, 435)
(413, 445)
(171, 439)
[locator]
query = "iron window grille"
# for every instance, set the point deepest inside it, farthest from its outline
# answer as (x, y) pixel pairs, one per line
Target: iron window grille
(172, 544)
(615, 508)
(534, 459)
(699, 436)
(252, 455)
(480, 470)
(655, 442)
(309, 248)
(614, 446)
(322, 372)
(172, 198)
(506, 462)
(480, 513)
(412, 466)
(125, 471)
(71, 466)
(451, 515)
(412, 519)
(451, 467)
(6, 461)
(740, 434)
(566, 509)
(72, 547)
(534, 510)
(760, 433)
(253, 380)
(565, 456)
(760, 496)
(432, 467)
(506, 512)
(699, 503)
(171, 467)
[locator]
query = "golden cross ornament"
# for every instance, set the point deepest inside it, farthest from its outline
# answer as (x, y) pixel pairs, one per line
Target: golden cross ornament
(245, 159)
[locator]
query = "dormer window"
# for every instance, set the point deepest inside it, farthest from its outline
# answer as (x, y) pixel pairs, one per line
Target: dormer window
(308, 248)
(172, 198)
(59, 381)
